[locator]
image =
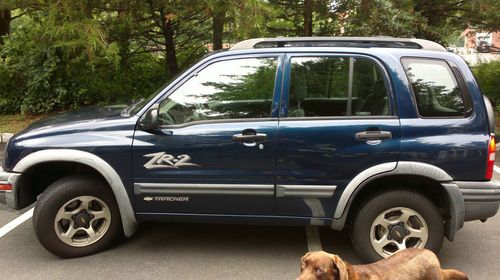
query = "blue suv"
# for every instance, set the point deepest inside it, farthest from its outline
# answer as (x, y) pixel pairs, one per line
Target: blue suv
(388, 137)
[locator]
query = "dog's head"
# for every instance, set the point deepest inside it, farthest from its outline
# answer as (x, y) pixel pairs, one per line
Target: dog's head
(322, 266)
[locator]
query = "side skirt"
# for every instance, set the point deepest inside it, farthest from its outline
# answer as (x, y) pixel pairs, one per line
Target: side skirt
(233, 219)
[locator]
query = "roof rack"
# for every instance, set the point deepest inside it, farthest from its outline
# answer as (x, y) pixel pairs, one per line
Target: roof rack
(353, 42)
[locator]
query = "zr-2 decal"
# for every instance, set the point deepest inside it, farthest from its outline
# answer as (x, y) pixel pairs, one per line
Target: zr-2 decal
(164, 160)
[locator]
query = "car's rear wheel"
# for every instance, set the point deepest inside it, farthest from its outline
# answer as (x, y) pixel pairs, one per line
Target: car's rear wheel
(396, 220)
(77, 216)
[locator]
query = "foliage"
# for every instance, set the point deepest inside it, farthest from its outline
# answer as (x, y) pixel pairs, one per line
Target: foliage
(63, 60)
(381, 17)
(61, 54)
(288, 18)
(488, 77)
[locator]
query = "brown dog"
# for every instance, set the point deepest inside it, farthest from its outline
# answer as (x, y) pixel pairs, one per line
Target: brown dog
(409, 264)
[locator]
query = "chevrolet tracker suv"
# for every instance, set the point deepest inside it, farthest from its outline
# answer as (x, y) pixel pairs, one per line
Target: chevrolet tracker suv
(388, 137)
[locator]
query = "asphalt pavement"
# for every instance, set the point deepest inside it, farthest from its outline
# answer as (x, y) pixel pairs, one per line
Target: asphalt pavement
(204, 251)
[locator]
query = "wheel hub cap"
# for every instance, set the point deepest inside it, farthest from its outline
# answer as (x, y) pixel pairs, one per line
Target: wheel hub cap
(396, 229)
(82, 220)
(398, 233)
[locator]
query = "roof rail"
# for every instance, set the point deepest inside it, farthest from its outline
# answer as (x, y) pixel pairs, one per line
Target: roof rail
(353, 42)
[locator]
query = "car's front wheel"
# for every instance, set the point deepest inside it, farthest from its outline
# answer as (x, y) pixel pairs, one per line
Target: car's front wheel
(77, 216)
(393, 221)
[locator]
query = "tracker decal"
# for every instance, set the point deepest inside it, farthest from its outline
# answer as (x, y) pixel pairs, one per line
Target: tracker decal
(167, 198)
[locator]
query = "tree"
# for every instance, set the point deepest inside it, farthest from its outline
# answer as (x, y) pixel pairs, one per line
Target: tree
(379, 17)
(432, 20)
(308, 17)
(13, 9)
(488, 78)
(217, 9)
(59, 54)
(299, 17)
(5, 18)
(172, 25)
(451, 15)
(236, 20)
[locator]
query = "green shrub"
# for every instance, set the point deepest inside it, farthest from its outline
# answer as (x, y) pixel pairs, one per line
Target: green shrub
(9, 102)
(46, 67)
(488, 78)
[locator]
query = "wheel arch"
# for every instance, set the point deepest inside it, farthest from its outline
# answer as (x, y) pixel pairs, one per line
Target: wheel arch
(91, 163)
(426, 179)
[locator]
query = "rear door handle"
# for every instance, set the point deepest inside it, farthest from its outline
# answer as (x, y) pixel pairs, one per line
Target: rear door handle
(257, 137)
(373, 135)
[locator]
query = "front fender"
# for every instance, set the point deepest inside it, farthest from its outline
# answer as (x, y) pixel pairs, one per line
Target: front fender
(129, 221)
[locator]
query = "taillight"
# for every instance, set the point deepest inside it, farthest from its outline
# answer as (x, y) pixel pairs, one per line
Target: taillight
(491, 158)
(5, 187)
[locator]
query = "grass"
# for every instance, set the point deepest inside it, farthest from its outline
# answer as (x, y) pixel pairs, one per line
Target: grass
(16, 123)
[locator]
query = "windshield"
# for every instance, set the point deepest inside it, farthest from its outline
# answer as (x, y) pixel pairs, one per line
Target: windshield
(133, 108)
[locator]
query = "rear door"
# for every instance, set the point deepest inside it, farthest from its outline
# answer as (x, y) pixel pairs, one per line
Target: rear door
(338, 119)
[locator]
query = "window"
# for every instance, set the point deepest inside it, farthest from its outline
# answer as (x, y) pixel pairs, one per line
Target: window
(436, 90)
(230, 89)
(336, 86)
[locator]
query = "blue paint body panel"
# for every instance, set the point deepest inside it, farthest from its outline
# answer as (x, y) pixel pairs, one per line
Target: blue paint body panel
(296, 152)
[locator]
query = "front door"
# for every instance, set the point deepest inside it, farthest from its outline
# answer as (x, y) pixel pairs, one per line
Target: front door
(215, 149)
(339, 120)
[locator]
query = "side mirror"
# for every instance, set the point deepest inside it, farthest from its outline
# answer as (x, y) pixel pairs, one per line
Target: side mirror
(149, 121)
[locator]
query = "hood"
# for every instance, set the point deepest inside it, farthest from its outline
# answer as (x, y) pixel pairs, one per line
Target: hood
(82, 129)
(86, 115)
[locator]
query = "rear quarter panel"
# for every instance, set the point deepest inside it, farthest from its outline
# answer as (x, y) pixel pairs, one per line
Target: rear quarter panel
(456, 145)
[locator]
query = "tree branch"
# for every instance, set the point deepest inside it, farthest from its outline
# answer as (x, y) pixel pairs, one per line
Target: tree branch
(18, 16)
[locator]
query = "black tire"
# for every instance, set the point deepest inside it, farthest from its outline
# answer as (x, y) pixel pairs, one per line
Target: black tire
(55, 197)
(378, 204)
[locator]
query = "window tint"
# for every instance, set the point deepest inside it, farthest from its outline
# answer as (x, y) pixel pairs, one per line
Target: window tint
(336, 86)
(231, 89)
(436, 90)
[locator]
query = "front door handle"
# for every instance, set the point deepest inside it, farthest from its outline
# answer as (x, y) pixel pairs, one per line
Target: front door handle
(373, 135)
(246, 138)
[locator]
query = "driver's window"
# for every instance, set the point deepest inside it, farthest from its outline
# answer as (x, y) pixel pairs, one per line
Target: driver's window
(229, 89)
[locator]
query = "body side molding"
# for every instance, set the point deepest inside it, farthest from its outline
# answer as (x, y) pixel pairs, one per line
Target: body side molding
(68, 155)
(311, 191)
(206, 189)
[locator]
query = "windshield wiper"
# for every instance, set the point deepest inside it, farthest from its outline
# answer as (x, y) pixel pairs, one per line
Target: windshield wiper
(129, 108)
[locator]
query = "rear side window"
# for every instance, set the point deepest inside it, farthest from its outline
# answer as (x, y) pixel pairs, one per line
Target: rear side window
(336, 86)
(435, 88)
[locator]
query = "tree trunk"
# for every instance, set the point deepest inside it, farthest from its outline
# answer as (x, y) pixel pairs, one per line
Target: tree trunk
(168, 35)
(308, 20)
(366, 10)
(89, 7)
(218, 19)
(123, 35)
(4, 23)
(432, 12)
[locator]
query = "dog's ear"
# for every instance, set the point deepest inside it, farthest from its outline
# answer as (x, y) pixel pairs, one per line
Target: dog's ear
(340, 266)
(304, 257)
(302, 260)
